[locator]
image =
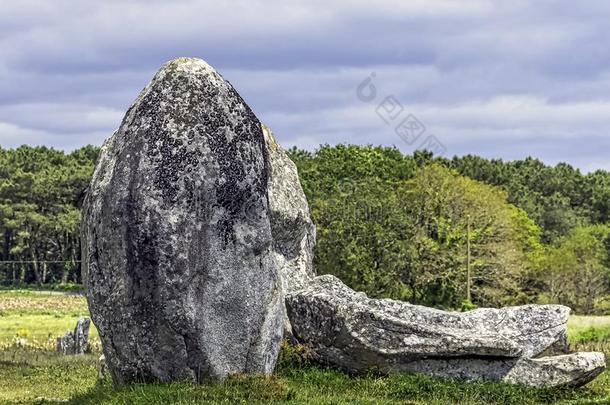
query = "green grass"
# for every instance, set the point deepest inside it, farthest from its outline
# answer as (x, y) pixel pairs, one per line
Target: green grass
(36, 319)
(13, 302)
(577, 323)
(590, 333)
(57, 379)
(34, 374)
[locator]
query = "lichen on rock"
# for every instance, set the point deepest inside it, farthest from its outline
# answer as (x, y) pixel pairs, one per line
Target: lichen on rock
(346, 329)
(181, 279)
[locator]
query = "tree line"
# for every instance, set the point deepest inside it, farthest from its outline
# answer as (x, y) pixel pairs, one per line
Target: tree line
(415, 227)
(41, 190)
(399, 226)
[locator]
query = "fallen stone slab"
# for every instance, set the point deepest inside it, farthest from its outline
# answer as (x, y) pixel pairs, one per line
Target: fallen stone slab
(347, 329)
(570, 370)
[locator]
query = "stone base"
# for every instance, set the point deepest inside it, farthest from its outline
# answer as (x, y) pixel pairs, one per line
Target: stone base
(570, 370)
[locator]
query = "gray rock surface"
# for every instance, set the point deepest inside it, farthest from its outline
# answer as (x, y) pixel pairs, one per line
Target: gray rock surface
(293, 231)
(346, 329)
(182, 282)
(359, 325)
(102, 368)
(65, 344)
(77, 341)
(570, 370)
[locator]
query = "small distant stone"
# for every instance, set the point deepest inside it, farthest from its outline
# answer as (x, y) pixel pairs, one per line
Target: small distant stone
(77, 341)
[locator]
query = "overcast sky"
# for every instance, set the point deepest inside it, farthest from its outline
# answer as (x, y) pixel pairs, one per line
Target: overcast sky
(494, 78)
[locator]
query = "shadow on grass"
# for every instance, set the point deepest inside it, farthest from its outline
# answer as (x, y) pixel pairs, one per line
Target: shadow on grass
(314, 385)
(298, 380)
(235, 390)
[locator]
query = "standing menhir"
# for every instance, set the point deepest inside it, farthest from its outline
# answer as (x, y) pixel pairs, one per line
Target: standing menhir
(181, 280)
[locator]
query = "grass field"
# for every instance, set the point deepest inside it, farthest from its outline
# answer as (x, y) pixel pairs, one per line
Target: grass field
(31, 373)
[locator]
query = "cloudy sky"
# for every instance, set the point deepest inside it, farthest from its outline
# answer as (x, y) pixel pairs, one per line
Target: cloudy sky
(495, 78)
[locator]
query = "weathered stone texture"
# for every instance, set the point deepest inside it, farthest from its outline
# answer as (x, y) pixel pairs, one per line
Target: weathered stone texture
(569, 370)
(77, 341)
(293, 231)
(294, 234)
(348, 330)
(181, 277)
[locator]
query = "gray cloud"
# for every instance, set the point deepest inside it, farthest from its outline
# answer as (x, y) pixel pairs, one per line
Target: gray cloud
(501, 79)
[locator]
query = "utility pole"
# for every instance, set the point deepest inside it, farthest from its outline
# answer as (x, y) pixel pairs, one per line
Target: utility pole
(468, 259)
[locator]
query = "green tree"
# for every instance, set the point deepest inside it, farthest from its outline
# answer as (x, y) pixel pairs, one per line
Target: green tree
(504, 241)
(392, 230)
(41, 190)
(575, 270)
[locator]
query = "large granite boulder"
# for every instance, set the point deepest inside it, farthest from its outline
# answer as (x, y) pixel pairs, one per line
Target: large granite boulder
(348, 330)
(182, 281)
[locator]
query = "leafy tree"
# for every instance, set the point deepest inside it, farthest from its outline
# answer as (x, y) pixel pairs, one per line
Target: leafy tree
(556, 198)
(363, 236)
(443, 206)
(576, 270)
(41, 190)
(392, 230)
(354, 195)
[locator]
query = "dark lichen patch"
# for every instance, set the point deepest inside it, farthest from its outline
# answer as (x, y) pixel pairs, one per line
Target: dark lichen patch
(186, 132)
(234, 191)
(168, 153)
